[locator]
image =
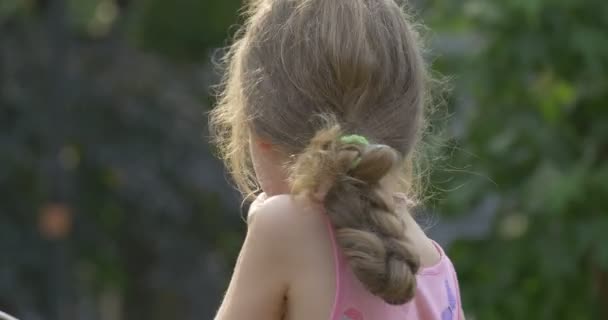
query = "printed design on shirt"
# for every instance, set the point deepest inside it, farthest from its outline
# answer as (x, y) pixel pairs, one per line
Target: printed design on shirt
(448, 313)
(352, 314)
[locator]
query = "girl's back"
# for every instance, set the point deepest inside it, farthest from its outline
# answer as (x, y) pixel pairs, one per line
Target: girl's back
(326, 288)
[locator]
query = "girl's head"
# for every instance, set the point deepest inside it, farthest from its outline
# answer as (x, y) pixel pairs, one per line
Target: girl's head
(301, 75)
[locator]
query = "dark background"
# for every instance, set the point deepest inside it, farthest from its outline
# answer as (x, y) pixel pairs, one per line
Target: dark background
(113, 207)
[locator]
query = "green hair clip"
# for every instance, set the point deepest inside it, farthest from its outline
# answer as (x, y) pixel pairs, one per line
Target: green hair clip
(354, 139)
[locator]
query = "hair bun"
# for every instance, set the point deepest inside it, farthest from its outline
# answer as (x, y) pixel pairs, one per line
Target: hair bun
(376, 161)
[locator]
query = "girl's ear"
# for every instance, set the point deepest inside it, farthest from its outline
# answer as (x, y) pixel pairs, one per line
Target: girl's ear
(260, 143)
(264, 145)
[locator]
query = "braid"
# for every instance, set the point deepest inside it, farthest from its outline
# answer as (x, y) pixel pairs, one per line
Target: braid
(368, 229)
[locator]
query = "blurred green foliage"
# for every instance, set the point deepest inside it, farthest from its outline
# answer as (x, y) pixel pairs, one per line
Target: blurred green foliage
(531, 102)
(109, 190)
(186, 29)
(114, 135)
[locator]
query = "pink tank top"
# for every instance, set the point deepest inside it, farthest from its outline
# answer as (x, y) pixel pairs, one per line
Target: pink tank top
(437, 294)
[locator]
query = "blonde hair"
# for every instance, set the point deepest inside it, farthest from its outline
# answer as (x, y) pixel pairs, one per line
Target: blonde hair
(302, 73)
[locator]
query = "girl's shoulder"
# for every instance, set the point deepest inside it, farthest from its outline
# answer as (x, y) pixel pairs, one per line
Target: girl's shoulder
(284, 219)
(284, 212)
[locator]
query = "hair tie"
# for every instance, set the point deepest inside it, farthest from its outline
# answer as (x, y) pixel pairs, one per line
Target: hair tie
(354, 139)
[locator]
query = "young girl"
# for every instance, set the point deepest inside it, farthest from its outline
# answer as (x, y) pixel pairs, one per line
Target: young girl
(321, 107)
